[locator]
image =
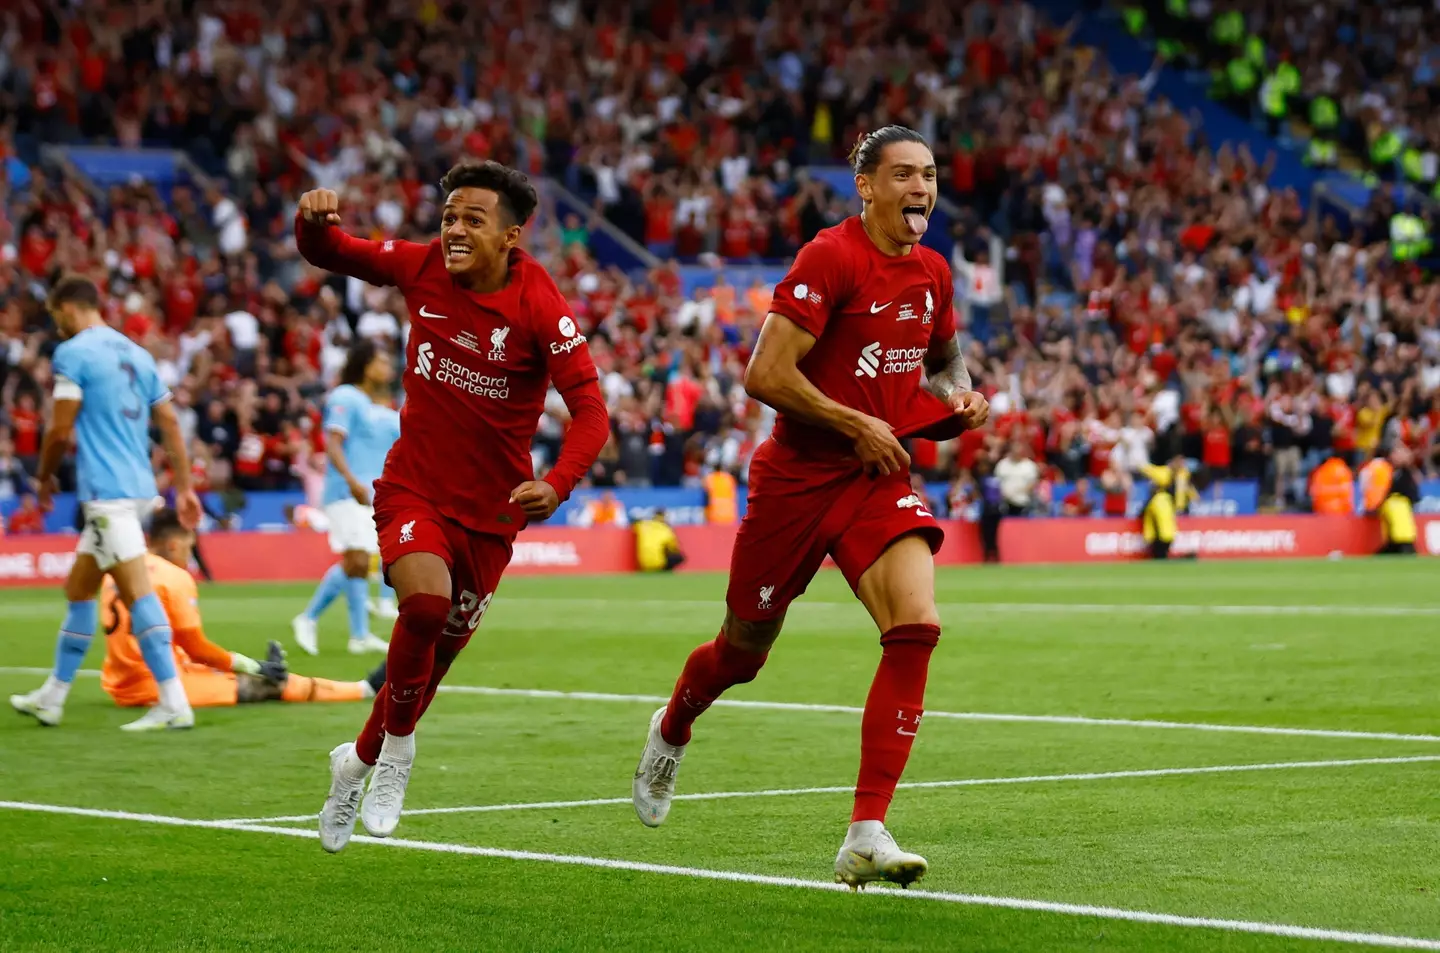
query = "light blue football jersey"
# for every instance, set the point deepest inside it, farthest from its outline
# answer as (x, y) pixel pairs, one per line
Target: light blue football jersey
(118, 383)
(370, 430)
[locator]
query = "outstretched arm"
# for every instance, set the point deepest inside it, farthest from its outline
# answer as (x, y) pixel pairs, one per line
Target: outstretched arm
(324, 245)
(202, 650)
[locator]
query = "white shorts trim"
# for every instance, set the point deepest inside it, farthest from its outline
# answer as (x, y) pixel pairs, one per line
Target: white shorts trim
(114, 530)
(352, 526)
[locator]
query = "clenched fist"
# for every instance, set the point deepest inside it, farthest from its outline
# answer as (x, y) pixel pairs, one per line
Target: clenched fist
(537, 498)
(971, 407)
(320, 207)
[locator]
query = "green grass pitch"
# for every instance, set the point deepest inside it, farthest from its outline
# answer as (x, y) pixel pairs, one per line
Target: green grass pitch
(1063, 815)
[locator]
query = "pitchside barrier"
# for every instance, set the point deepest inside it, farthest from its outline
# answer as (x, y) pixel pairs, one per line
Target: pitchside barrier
(269, 511)
(304, 555)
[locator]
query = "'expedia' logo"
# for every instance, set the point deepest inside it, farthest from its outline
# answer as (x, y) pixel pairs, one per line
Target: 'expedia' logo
(572, 339)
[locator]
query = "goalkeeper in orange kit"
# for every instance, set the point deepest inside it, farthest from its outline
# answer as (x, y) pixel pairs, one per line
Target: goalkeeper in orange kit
(210, 674)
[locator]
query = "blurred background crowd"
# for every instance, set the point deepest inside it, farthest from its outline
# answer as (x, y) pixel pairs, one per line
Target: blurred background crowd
(1131, 286)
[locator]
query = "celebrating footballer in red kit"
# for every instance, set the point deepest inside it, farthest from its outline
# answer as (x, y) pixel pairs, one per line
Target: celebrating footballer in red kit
(859, 350)
(489, 332)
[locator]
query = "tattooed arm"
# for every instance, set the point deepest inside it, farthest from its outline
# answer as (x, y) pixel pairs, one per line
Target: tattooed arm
(947, 377)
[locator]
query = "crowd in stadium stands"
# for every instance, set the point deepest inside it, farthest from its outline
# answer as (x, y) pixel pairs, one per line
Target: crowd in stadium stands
(1357, 77)
(1130, 289)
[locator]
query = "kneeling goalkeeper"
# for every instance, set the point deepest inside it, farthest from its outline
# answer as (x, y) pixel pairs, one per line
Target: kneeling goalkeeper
(210, 674)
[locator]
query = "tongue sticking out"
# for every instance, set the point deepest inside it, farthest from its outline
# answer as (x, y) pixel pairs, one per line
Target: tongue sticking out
(917, 222)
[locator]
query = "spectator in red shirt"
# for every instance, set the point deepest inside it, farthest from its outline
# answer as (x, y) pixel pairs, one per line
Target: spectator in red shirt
(1215, 453)
(682, 396)
(25, 426)
(660, 221)
(1115, 484)
(181, 302)
(28, 518)
(250, 458)
(735, 236)
(1077, 502)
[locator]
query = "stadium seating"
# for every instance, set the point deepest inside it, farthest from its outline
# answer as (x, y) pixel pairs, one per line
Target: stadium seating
(1130, 285)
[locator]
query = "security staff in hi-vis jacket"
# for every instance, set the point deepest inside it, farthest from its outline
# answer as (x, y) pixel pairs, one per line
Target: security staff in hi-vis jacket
(1397, 510)
(1171, 494)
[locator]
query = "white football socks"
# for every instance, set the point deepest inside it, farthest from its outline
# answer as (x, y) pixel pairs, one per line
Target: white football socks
(862, 829)
(352, 768)
(54, 692)
(172, 695)
(398, 748)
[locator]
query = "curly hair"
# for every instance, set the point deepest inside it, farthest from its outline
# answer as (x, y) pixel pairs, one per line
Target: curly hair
(517, 195)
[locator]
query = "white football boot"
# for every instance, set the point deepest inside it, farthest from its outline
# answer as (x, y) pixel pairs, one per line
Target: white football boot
(384, 609)
(368, 643)
(654, 785)
(37, 705)
(870, 854)
(304, 629)
(161, 718)
(384, 798)
(337, 817)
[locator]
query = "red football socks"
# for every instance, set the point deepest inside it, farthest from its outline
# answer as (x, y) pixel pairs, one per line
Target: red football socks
(892, 716)
(710, 669)
(445, 655)
(408, 667)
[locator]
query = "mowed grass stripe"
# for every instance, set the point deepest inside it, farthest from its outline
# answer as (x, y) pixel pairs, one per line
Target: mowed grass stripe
(1291, 931)
(1002, 717)
(214, 604)
(904, 785)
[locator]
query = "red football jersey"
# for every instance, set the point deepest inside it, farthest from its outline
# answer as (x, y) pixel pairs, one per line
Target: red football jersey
(477, 369)
(875, 318)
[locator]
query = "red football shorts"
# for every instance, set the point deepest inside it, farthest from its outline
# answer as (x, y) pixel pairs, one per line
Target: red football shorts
(800, 510)
(408, 523)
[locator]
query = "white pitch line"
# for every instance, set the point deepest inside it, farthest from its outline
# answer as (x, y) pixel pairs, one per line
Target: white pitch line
(37, 670)
(1190, 609)
(1000, 717)
(975, 900)
(904, 785)
(956, 715)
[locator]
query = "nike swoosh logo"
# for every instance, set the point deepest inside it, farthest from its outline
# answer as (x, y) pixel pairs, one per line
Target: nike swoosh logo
(902, 731)
(877, 308)
(430, 314)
